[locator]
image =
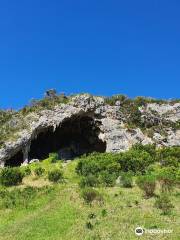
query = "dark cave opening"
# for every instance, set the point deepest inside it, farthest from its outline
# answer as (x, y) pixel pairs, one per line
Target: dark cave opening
(75, 136)
(16, 160)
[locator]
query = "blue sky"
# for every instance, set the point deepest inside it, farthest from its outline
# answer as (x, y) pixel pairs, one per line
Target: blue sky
(97, 46)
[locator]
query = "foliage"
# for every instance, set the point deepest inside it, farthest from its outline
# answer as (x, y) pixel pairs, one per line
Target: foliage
(89, 181)
(26, 171)
(64, 205)
(39, 171)
(89, 225)
(147, 183)
(167, 178)
(135, 160)
(5, 116)
(127, 180)
(164, 203)
(96, 163)
(55, 175)
(11, 176)
(112, 100)
(149, 148)
(107, 179)
(140, 101)
(90, 194)
(53, 157)
(45, 103)
(169, 156)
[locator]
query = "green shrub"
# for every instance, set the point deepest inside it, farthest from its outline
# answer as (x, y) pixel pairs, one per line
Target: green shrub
(170, 162)
(113, 99)
(54, 157)
(163, 202)
(92, 216)
(149, 148)
(148, 184)
(95, 163)
(167, 178)
(90, 194)
(39, 171)
(104, 213)
(55, 175)
(89, 225)
(26, 171)
(89, 181)
(11, 176)
(3, 192)
(135, 160)
(178, 177)
(127, 180)
(165, 152)
(107, 179)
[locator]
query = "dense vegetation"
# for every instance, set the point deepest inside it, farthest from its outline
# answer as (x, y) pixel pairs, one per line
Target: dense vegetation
(99, 196)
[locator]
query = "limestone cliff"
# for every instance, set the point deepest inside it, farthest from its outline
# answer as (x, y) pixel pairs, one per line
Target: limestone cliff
(86, 123)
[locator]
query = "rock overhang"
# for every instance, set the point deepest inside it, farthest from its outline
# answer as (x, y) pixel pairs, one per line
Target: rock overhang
(112, 125)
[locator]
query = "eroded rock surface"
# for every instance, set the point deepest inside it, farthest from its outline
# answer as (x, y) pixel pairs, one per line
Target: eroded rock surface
(107, 122)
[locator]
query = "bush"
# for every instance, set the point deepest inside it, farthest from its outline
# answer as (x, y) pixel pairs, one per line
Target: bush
(39, 171)
(163, 202)
(90, 194)
(26, 171)
(127, 180)
(55, 175)
(104, 213)
(135, 160)
(11, 176)
(148, 184)
(89, 181)
(167, 178)
(95, 163)
(89, 225)
(53, 157)
(107, 179)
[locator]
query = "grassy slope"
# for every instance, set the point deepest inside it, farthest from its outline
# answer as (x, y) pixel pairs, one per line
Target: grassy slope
(62, 214)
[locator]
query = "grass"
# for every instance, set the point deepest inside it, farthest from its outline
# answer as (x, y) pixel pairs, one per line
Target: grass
(61, 214)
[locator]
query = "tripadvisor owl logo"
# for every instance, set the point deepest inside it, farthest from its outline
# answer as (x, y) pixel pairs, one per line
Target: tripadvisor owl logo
(139, 231)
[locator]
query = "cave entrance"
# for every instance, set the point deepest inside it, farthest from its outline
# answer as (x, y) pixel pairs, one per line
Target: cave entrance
(75, 136)
(16, 160)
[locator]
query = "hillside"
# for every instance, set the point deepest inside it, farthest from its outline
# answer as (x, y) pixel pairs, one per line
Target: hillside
(86, 124)
(85, 167)
(40, 209)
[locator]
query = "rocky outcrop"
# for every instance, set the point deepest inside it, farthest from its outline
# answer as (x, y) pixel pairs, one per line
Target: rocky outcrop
(110, 120)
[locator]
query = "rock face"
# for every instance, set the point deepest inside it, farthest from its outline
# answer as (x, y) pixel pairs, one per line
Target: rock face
(86, 124)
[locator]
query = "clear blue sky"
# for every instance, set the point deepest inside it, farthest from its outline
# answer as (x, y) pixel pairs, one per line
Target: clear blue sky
(97, 46)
